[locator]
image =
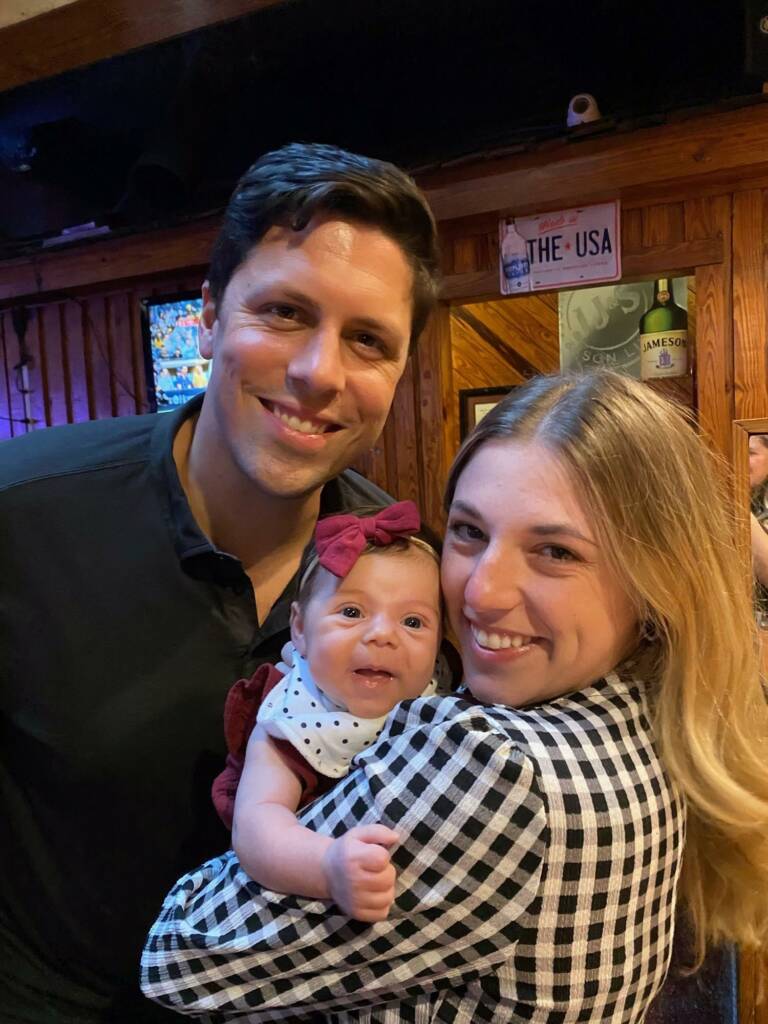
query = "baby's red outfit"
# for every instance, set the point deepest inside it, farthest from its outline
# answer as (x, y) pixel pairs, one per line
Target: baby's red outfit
(240, 709)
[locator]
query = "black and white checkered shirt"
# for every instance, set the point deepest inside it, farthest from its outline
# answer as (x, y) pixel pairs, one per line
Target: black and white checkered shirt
(536, 880)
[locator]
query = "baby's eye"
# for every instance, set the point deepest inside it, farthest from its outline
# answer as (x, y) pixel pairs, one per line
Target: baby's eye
(413, 622)
(350, 612)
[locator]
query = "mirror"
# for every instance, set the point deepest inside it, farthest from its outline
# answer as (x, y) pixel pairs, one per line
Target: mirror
(751, 479)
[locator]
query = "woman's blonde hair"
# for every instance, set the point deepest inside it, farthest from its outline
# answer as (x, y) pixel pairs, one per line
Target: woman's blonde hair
(660, 506)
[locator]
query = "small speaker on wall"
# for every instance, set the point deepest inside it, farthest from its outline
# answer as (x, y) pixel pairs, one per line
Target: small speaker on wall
(756, 39)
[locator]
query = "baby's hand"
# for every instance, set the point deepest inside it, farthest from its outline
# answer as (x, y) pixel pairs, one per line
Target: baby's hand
(358, 872)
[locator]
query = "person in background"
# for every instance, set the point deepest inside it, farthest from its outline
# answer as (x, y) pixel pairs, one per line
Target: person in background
(607, 757)
(758, 475)
(366, 626)
(148, 562)
(758, 483)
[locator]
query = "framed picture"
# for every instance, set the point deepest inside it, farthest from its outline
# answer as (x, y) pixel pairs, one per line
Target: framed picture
(474, 403)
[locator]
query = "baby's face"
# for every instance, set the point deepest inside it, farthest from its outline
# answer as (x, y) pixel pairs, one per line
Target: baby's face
(371, 638)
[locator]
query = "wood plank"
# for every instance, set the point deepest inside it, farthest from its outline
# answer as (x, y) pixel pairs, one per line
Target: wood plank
(663, 224)
(73, 337)
(132, 256)
(749, 305)
(124, 398)
(74, 34)
(405, 468)
(465, 255)
(631, 230)
(56, 383)
(644, 263)
(138, 358)
(38, 375)
(15, 411)
(529, 324)
(434, 394)
(14, 11)
(606, 168)
(96, 360)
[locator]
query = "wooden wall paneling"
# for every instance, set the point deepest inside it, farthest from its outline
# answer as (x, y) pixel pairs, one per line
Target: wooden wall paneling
(76, 33)
(663, 224)
(6, 404)
(674, 159)
(436, 434)
(38, 376)
(373, 463)
(465, 257)
(483, 285)
(16, 413)
(73, 338)
(118, 317)
(475, 364)
(750, 224)
(405, 431)
(631, 230)
(713, 355)
(529, 325)
(133, 257)
(101, 384)
(136, 342)
(58, 410)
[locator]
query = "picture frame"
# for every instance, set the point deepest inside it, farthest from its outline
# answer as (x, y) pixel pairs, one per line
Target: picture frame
(474, 403)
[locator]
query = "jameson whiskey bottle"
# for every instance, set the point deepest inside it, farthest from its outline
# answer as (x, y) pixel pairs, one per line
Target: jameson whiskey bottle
(663, 335)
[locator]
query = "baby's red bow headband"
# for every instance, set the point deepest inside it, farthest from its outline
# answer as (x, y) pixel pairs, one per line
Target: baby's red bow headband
(340, 540)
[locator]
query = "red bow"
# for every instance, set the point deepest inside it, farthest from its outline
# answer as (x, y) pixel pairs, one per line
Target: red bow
(340, 540)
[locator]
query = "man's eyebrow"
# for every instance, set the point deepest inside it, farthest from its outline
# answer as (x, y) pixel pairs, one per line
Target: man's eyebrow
(289, 294)
(464, 508)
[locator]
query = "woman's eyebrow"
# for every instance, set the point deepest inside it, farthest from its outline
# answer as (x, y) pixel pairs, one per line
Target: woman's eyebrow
(560, 529)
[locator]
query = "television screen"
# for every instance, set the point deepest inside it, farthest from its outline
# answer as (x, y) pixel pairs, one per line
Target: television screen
(175, 369)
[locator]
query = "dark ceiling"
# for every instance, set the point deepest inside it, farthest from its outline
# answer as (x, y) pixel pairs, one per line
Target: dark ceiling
(163, 133)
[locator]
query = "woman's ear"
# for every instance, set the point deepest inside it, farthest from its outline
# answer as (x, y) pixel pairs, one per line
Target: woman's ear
(297, 629)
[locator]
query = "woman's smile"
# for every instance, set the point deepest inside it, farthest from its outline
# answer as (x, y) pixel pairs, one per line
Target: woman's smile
(528, 590)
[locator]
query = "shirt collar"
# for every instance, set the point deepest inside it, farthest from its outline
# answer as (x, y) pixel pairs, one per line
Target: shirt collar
(200, 558)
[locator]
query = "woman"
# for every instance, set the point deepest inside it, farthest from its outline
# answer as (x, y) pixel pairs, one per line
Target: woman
(609, 659)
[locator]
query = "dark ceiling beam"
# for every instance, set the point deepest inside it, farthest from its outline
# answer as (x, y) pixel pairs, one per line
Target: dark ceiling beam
(87, 31)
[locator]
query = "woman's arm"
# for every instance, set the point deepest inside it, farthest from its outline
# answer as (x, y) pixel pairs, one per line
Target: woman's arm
(281, 854)
(472, 824)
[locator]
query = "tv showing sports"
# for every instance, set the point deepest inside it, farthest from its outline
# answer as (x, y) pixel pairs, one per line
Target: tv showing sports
(175, 369)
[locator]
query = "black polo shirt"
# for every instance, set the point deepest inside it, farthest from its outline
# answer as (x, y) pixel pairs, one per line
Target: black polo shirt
(121, 629)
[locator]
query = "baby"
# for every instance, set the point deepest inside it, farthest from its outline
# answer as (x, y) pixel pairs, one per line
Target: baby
(366, 629)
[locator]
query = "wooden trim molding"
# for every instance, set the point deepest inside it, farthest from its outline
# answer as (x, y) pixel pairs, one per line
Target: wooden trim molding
(680, 257)
(115, 259)
(622, 166)
(85, 31)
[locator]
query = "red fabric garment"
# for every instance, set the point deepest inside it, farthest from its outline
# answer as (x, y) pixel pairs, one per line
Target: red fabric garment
(240, 709)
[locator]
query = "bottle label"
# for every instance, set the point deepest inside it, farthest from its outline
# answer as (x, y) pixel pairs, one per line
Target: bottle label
(663, 354)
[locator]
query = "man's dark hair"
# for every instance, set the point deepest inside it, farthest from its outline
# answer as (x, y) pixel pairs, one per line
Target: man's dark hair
(289, 186)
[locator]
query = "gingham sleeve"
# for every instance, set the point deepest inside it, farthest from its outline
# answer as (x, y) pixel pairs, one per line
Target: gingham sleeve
(472, 820)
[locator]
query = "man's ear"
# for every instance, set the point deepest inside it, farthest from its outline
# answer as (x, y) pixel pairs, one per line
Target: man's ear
(297, 629)
(207, 323)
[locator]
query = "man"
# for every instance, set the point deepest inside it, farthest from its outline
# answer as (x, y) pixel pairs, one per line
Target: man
(147, 563)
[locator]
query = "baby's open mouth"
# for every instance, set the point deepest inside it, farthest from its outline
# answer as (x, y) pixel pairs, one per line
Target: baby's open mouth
(371, 676)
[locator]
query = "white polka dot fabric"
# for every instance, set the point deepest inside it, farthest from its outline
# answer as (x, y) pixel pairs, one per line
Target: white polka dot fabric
(326, 735)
